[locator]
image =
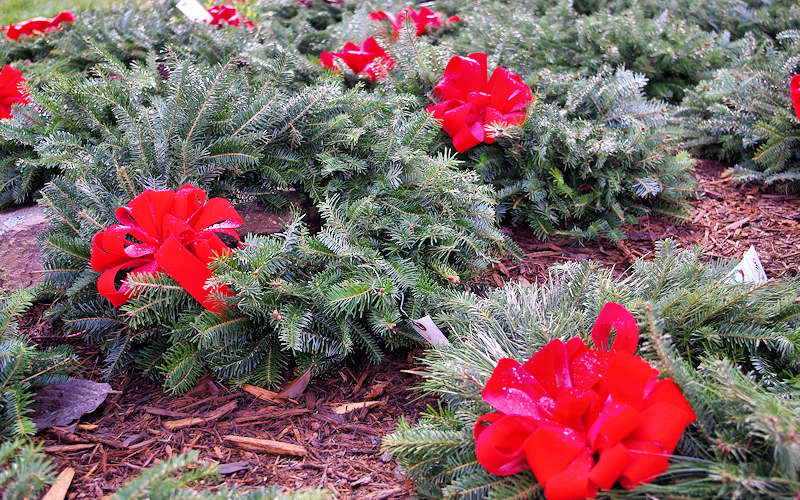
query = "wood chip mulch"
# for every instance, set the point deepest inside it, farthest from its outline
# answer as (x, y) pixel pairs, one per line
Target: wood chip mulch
(725, 220)
(340, 446)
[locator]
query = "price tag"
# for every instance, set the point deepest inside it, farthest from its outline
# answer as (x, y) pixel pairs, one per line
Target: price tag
(429, 331)
(749, 269)
(194, 11)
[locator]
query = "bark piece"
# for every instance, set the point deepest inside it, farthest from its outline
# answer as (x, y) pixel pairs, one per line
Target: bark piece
(266, 446)
(192, 421)
(59, 489)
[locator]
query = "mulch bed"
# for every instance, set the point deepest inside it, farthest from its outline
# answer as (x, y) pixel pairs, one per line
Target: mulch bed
(131, 431)
(725, 220)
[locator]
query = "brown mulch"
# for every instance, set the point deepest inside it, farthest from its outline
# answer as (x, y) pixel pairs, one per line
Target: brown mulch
(131, 430)
(725, 220)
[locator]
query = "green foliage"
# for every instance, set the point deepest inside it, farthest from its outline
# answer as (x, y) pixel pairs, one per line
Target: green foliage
(767, 18)
(745, 114)
(22, 366)
(733, 350)
(669, 50)
(24, 470)
(586, 166)
(396, 223)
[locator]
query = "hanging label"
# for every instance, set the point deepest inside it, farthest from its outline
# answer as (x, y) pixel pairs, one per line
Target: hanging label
(429, 331)
(194, 11)
(749, 269)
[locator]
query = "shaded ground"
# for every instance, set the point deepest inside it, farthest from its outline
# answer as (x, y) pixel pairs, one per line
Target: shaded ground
(128, 432)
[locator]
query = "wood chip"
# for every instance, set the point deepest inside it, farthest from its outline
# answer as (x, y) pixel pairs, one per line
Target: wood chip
(67, 448)
(172, 425)
(59, 489)
(266, 446)
(260, 393)
(164, 413)
(348, 407)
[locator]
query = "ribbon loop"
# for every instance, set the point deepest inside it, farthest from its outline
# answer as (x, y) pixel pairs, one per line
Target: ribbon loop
(621, 319)
(585, 418)
(166, 231)
(472, 105)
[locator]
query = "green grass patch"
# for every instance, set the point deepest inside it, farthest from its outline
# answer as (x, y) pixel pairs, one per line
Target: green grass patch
(12, 11)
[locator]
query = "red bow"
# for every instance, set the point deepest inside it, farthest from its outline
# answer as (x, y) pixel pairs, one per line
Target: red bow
(471, 103)
(228, 14)
(166, 231)
(369, 59)
(794, 89)
(12, 90)
(38, 25)
(580, 418)
(423, 20)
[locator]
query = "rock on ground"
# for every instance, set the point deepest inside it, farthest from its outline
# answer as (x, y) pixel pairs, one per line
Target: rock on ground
(20, 259)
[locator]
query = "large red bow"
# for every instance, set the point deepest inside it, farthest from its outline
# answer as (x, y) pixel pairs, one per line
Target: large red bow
(175, 232)
(794, 90)
(12, 90)
(37, 25)
(471, 103)
(424, 20)
(228, 14)
(580, 418)
(369, 59)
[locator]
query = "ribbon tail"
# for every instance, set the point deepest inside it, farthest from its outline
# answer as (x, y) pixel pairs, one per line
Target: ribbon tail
(178, 262)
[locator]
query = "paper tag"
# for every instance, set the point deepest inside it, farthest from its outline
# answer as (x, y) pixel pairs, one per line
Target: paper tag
(749, 269)
(425, 327)
(194, 11)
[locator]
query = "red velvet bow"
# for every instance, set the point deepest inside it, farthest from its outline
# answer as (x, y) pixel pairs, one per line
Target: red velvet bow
(580, 418)
(37, 25)
(794, 89)
(424, 20)
(175, 232)
(228, 14)
(369, 59)
(471, 103)
(12, 90)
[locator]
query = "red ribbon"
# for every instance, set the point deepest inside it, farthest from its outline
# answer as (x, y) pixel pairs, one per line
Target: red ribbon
(12, 90)
(37, 25)
(425, 19)
(369, 59)
(794, 90)
(582, 419)
(228, 14)
(471, 103)
(175, 232)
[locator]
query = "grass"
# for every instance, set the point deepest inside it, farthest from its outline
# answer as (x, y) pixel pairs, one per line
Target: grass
(12, 11)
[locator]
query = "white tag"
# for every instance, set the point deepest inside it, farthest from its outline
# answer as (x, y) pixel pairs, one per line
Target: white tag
(749, 269)
(425, 327)
(194, 11)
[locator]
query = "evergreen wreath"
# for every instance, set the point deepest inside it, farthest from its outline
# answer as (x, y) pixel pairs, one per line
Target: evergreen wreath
(732, 350)
(396, 224)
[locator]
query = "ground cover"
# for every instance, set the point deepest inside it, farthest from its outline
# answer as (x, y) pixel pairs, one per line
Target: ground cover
(269, 199)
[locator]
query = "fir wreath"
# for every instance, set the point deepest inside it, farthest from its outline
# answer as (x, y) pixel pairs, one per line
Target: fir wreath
(732, 350)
